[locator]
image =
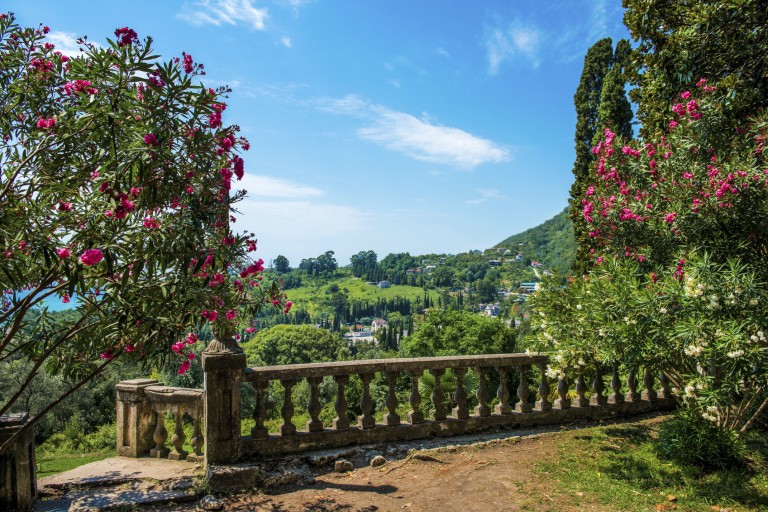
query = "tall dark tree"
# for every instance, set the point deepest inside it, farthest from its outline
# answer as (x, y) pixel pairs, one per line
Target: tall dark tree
(281, 264)
(601, 102)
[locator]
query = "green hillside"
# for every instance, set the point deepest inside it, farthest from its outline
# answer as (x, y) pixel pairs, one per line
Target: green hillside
(552, 243)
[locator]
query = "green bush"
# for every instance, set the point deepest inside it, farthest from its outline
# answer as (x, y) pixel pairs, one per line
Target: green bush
(688, 438)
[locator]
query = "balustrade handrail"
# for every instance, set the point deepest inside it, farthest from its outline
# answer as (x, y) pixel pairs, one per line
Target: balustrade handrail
(300, 371)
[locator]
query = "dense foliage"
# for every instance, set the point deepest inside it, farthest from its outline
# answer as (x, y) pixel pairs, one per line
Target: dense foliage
(115, 194)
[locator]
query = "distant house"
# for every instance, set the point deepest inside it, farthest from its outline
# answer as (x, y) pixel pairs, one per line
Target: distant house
(492, 310)
(528, 287)
(378, 323)
(384, 284)
(519, 257)
(500, 250)
(494, 263)
(430, 268)
(535, 264)
(353, 338)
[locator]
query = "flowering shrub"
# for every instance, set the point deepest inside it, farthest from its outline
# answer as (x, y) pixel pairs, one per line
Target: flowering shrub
(678, 241)
(116, 190)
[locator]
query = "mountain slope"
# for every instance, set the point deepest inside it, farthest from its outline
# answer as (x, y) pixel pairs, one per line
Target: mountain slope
(552, 243)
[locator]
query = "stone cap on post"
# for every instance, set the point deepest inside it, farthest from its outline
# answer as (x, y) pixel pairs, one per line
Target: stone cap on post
(223, 354)
(133, 390)
(13, 421)
(172, 395)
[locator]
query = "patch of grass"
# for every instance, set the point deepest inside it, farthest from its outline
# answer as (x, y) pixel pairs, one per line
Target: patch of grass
(619, 467)
(51, 464)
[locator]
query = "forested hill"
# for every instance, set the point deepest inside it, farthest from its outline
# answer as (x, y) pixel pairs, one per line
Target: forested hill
(552, 243)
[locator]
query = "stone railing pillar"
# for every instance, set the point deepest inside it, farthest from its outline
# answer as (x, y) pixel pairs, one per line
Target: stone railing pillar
(135, 420)
(223, 365)
(18, 484)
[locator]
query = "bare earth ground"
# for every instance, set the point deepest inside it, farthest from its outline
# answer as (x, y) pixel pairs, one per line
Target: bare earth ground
(496, 475)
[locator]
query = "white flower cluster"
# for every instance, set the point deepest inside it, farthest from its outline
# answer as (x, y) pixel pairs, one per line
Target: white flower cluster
(710, 414)
(714, 303)
(735, 354)
(690, 391)
(693, 350)
(760, 336)
(692, 288)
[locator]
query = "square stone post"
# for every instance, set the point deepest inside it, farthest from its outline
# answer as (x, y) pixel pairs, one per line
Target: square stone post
(18, 481)
(135, 421)
(223, 365)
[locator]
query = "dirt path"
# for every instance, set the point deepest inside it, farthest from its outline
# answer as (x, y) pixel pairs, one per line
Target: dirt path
(494, 476)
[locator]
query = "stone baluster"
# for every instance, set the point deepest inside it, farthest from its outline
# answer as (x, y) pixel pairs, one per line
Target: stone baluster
(197, 439)
(598, 386)
(483, 409)
(633, 396)
(581, 389)
(617, 397)
(367, 420)
(288, 428)
(313, 407)
(392, 418)
(460, 411)
(161, 434)
(438, 397)
(341, 422)
(415, 415)
(523, 391)
(563, 402)
(648, 394)
(178, 437)
(259, 431)
(543, 404)
(664, 392)
(502, 393)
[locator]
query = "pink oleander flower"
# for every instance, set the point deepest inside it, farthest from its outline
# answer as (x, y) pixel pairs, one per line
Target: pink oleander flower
(126, 36)
(65, 207)
(79, 86)
(91, 257)
(150, 139)
(231, 314)
(63, 252)
(130, 347)
(188, 64)
(210, 315)
(107, 354)
(65, 299)
(184, 367)
(670, 217)
(191, 338)
(151, 223)
(46, 124)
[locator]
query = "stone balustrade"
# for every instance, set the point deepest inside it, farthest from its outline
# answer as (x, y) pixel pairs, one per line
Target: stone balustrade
(513, 408)
(536, 400)
(142, 405)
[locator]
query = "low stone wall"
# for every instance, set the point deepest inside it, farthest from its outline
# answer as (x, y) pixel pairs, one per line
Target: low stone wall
(141, 408)
(18, 484)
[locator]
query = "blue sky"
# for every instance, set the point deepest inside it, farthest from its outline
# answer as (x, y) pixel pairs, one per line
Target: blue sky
(420, 126)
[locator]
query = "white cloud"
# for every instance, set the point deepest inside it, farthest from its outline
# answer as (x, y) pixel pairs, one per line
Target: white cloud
(219, 12)
(286, 41)
(420, 139)
(66, 42)
(442, 52)
(294, 228)
(517, 39)
(268, 186)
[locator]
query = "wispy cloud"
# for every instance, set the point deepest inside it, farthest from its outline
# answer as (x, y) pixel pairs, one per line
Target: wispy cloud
(224, 12)
(484, 194)
(517, 39)
(286, 41)
(442, 52)
(66, 42)
(267, 186)
(531, 39)
(419, 138)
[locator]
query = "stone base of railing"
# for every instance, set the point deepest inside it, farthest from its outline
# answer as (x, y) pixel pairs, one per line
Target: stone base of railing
(18, 484)
(381, 433)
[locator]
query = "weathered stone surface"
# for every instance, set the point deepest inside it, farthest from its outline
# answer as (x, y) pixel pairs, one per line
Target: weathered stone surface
(285, 477)
(343, 466)
(211, 503)
(18, 488)
(378, 460)
(234, 478)
(127, 498)
(327, 456)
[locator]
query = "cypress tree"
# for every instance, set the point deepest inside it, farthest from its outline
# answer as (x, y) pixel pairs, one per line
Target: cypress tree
(600, 101)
